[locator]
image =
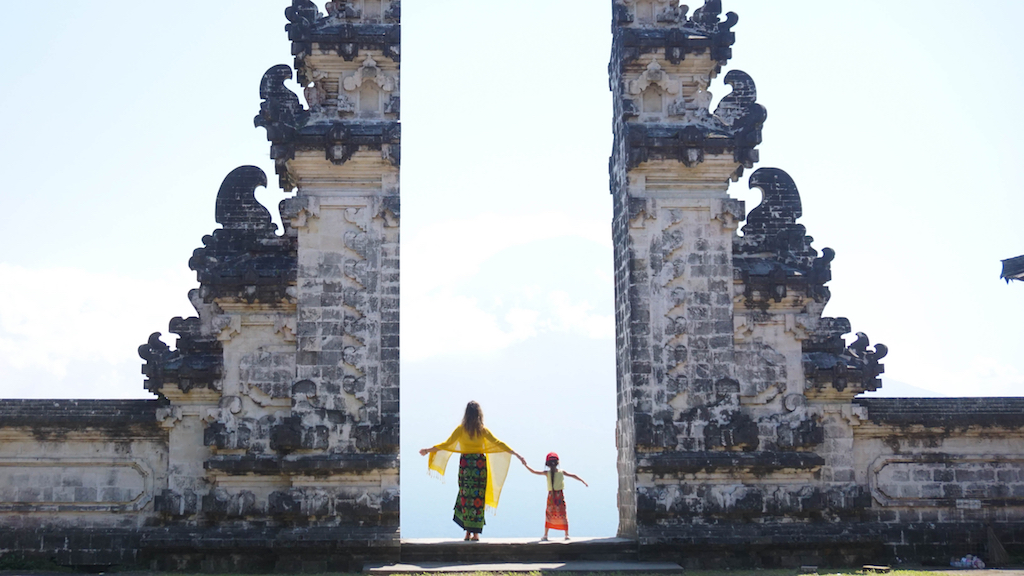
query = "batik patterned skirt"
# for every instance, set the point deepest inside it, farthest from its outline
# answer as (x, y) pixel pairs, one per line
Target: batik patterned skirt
(469, 505)
(554, 516)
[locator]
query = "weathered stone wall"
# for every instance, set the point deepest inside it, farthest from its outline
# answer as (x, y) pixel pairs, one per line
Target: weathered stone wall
(736, 420)
(75, 474)
(943, 461)
(274, 442)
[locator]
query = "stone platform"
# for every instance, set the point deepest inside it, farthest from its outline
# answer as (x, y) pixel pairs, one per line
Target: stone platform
(520, 555)
(526, 567)
(519, 550)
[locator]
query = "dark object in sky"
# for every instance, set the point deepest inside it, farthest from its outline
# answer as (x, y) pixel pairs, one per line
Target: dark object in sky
(1013, 269)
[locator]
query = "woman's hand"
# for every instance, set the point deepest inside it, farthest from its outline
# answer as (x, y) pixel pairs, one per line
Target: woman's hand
(426, 451)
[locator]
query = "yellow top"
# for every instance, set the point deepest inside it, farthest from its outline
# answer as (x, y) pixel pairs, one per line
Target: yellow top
(497, 463)
(558, 484)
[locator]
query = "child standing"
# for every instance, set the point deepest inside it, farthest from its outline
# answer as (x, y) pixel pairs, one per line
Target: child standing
(554, 515)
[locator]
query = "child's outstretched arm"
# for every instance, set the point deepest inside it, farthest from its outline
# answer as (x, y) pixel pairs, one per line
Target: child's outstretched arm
(531, 469)
(576, 477)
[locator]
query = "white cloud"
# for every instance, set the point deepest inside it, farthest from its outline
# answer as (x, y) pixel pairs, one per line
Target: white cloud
(70, 329)
(579, 318)
(448, 252)
(982, 376)
(442, 323)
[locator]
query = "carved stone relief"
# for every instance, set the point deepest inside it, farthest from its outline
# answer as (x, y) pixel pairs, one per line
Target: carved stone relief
(654, 87)
(370, 88)
(316, 94)
(364, 11)
(650, 12)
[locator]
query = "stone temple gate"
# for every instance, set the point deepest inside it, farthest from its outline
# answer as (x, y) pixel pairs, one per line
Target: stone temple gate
(274, 438)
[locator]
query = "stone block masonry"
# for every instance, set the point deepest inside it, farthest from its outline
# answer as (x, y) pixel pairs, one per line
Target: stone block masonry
(738, 433)
(273, 444)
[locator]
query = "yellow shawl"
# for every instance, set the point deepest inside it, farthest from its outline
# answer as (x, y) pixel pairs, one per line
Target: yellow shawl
(498, 460)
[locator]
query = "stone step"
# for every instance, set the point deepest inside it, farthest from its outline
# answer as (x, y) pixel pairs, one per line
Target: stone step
(518, 550)
(578, 566)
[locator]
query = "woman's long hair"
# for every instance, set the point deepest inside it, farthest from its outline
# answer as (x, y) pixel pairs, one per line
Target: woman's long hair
(473, 420)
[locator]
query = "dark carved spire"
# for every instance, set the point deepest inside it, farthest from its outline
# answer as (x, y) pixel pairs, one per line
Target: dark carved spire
(245, 259)
(237, 207)
(772, 228)
(349, 30)
(774, 255)
(744, 117)
(689, 131)
(671, 31)
(281, 112)
(197, 363)
(740, 105)
(775, 259)
(829, 362)
(302, 16)
(344, 30)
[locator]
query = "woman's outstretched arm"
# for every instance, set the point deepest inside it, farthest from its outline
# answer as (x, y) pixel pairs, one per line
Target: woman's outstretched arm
(501, 445)
(449, 442)
(576, 477)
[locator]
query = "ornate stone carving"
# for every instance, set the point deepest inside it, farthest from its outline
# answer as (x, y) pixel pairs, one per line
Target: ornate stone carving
(732, 212)
(300, 209)
(346, 138)
(655, 75)
(367, 85)
(365, 11)
(285, 327)
(196, 363)
(281, 112)
(774, 255)
(168, 416)
(651, 25)
(347, 28)
(734, 128)
(316, 93)
(369, 71)
(696, 110)
(228, 326)
(829, 362)
(394, 12)
(245, 260)
(341, 10)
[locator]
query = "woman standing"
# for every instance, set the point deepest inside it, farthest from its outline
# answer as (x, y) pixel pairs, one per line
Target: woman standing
(480, 476)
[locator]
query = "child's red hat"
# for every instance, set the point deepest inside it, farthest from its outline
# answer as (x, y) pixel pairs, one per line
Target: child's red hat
(551, 456)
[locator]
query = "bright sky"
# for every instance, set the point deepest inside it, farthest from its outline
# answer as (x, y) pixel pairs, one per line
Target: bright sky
(899, 121)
